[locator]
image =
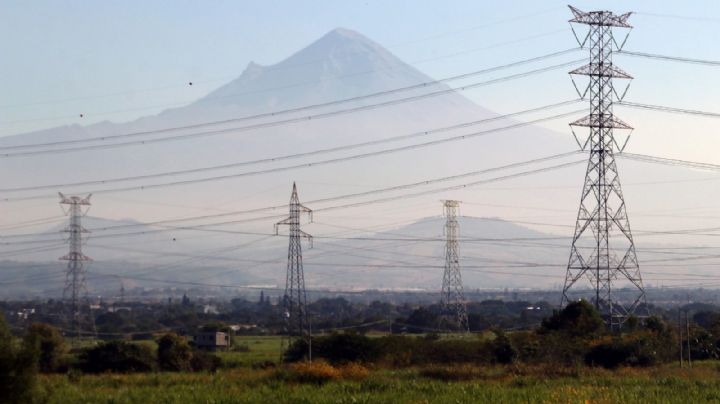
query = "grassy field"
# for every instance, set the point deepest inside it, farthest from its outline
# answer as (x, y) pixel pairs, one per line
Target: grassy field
(261, 349)
(246, 377)
(497, 385)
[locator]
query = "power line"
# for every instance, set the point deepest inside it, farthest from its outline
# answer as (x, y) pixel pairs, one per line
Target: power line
(309, 153)
(673, 110)
(669, 161)
(680, 17)
(282, 112)
(356, 195)
(303, 165)
(671, 58)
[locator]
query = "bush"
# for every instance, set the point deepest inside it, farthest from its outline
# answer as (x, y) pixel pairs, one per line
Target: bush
(318, 372)
(117, 356)
(51, 344)
(174, 353)
(202, 361)
(18, 367)
(336, 348)
(266, 364)
(453, 351)
(576, 319)
(559, 348)
(527, 345)
(609, 355)
(354, 372)
(503, 350)
(638, 349)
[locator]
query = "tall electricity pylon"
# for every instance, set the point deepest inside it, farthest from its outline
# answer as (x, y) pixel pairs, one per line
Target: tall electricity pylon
(295, 299)
(75, 287)
(452, 299)
(603, 250)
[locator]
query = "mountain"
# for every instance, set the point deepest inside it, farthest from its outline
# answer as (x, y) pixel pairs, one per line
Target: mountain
(383, 260)
(341, 65)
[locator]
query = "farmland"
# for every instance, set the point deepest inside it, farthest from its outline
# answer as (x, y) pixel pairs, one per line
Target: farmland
(429, 384)
(255, 375)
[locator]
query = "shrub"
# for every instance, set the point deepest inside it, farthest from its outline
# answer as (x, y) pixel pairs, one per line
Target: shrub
(559, 348)
(336, 348)
(354, 371)
(117, 356)
(638, 349)
(527, 345)
(576, 319)
(609, 354)
(202, 361)
(174, 353)
(52, 346)
(452, 351)
(266, 364)
(317, 372)
(18, 367)
(503, 350)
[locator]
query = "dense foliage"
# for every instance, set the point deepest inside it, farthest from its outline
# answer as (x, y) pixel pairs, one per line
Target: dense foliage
(570, 337)
(118, 356)
(51, 344)
(174, 353)
(18, 366)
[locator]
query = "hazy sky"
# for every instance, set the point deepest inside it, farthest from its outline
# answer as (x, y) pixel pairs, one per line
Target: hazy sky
(122, 60)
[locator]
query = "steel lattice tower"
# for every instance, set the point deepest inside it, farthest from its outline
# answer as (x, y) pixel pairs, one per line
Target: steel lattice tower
(602, 249)
(452, 299)
(295, 299)
(75, 287)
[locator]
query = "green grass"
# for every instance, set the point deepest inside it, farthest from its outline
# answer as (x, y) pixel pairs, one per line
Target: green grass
(261, 349)
(665, 384)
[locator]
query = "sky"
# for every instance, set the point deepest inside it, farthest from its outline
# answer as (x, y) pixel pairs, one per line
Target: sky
(82, 62)
(119, 61)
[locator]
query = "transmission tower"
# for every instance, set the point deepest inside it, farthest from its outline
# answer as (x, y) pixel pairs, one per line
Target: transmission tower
(452, 299)
(75, 287)
(295, 299)
(603, 251)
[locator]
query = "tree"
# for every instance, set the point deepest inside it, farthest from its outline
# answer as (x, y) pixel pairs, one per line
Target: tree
(18, 367)
(421, 320)
(174, 353)
(117, 356)
(576, 319)
(502, 349)
(51, 345)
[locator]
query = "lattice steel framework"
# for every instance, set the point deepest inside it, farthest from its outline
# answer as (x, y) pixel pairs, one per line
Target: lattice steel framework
(75, 287)
(603, 250)
(452, 299)
(295, 298)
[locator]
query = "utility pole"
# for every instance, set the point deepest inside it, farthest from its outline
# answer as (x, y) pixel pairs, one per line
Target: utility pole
(680, 337)
(295, 298)
(452, 299)
(75, 287)
(687, 328)
(602, 226)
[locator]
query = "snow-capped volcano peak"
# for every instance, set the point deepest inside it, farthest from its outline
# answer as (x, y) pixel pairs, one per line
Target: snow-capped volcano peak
(340, 64)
